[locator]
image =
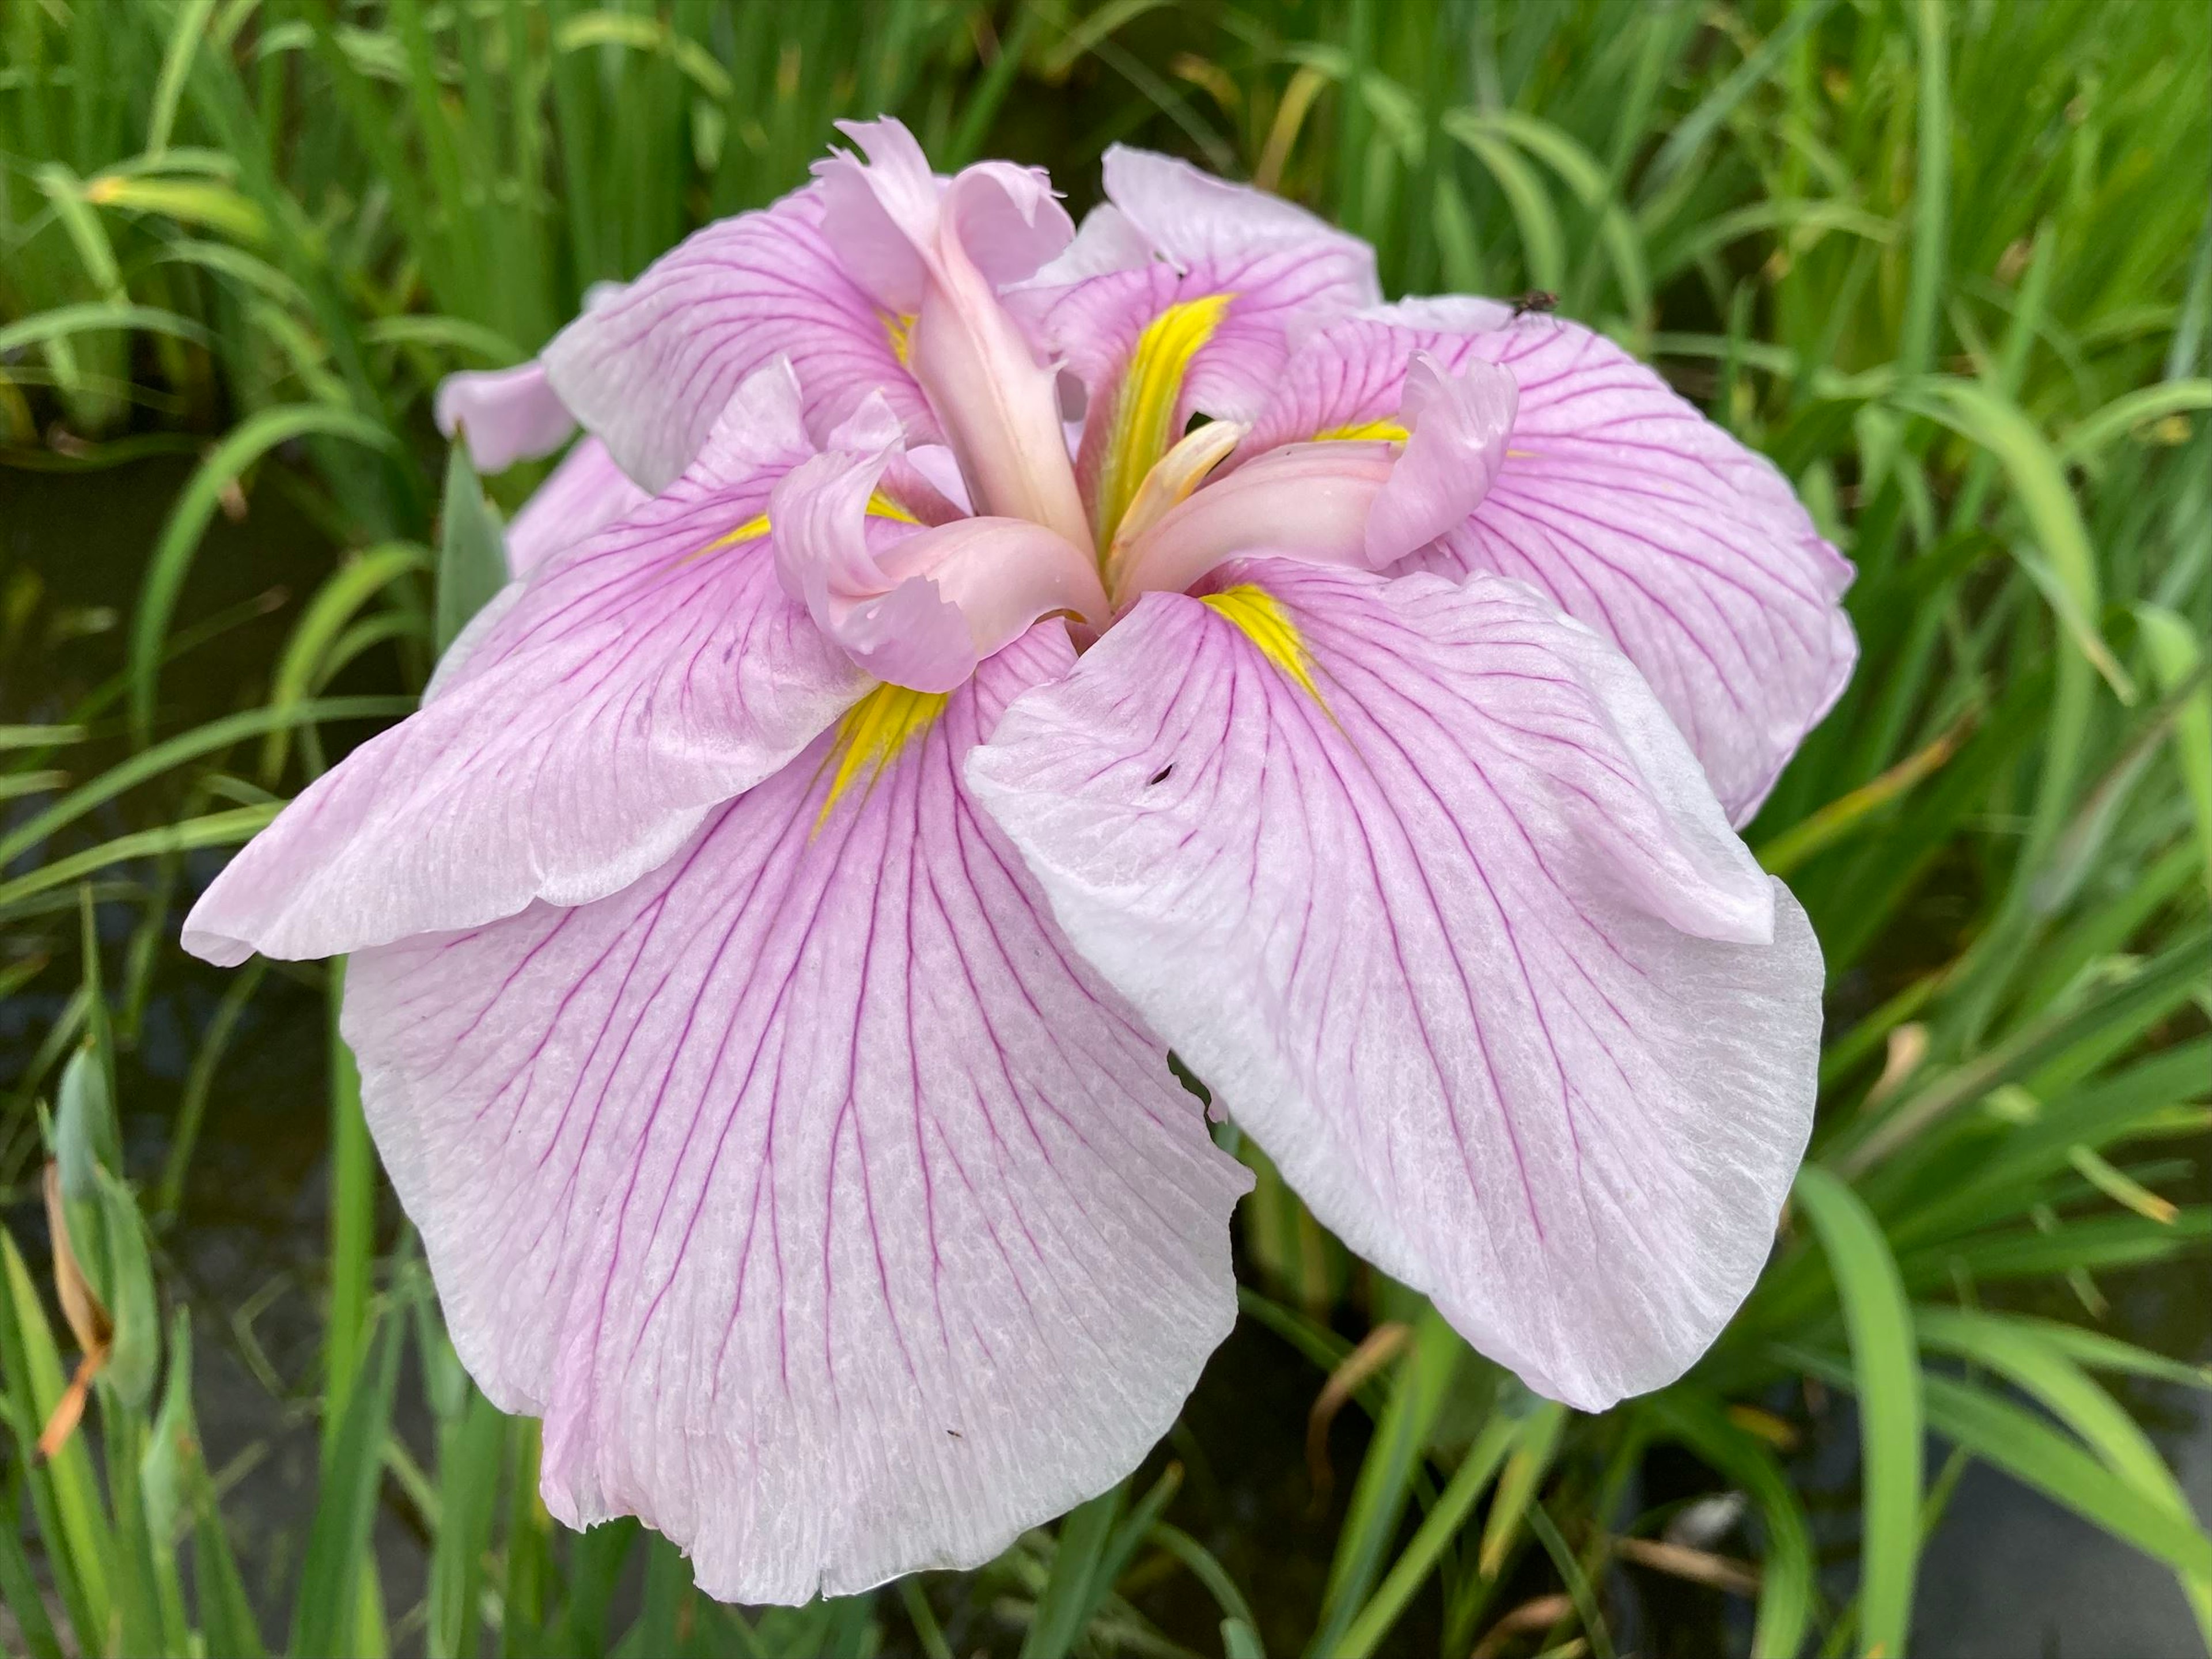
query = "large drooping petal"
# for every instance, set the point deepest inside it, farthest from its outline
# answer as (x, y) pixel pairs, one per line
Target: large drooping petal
(650, 369)
(586, 494)
(1635, 514)
(1422, 882)
(836, 1220)
(944, 248)
(1233, 277)
(919, 609)
(585, 729)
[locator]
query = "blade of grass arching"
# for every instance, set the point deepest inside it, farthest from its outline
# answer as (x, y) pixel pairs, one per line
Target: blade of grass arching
(191, 1108)
(2085, 442)
(351, 586)
(1575, 1580)
(340, 1558)
(1386, 1475)
(1917, 343)
(1691, 134)
(64, 1496)
(1787, 1575)
(137, 1578)
(19, 1588)
(1518, 1484)
(928, 1634)
(2176, 653)
(186, 746)
(2019, 1351)
(2161, 985)
(1886, 1367)
(195, 508)
(353, 1222)
(1200, 1563)
(1543, 240)
(225, 829)
(1073, 1590)
(2099, 1243)
(1132, 1530)
(1437, 1528)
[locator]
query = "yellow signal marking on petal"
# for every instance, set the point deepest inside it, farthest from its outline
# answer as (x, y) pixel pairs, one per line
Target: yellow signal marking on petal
(880, 506)
(1144, 409)
(900, 326)
(871, 735)
(1365, 432)
(1259, 614)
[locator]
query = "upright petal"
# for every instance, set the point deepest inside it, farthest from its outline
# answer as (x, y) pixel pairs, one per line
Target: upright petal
(1421, 881)
(944, 248)
(650, 369)
(507, 414)
(1636, 514)
(1235, 278)
(586, 730)
(836, 1220)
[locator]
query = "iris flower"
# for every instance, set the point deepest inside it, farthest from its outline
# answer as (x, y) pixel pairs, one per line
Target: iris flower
(967, 660)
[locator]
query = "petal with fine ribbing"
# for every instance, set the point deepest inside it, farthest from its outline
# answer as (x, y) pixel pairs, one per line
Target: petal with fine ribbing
(1634, 513)
(1421, 881)
(649, 369)
(836, 1220)
(630, 685)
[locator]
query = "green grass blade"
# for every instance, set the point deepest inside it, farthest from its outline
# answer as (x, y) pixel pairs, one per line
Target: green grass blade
(333, 1578)
(1887, 1366)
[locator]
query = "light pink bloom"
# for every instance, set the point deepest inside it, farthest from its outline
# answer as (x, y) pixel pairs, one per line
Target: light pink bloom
(769, 937)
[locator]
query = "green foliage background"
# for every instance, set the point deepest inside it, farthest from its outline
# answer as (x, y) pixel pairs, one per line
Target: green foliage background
(1947, 261)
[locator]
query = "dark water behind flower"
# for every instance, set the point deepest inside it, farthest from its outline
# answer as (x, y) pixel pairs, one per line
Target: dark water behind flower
(2009, 1574)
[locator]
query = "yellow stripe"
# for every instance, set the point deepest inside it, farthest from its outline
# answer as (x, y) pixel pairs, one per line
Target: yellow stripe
(900, 326)
(1365, 431)
(1144, 409)
(880, 506)
(1261, 619)
(871, 735)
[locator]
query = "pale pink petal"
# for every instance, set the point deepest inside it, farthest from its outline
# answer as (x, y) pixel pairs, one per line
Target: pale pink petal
(1432, 896)
(836, 1220)
(1457, 427)
(630, 686)
(649, 370)
(918, 608)
(507, 414)
(584, 494)
(1193, 218)
(904, 234)
(1637, 515)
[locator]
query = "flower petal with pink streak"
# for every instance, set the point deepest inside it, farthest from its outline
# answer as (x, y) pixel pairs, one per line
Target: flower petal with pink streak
(1637, 515)
(586, 494)
(508, 415)
(630, 686)
(649, 370)
(837, 1220)
(1289, 270)
(1460, 936)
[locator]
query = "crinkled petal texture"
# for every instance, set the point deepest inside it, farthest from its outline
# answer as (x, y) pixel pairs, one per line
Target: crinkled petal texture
(1424, 883)
(1635, 514)
(650, 369)
(837, 1220)
(590, 722)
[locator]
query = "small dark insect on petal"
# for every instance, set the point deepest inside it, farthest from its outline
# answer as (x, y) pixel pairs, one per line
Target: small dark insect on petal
(1537, 299)
(1160, 776)
(956, 1434)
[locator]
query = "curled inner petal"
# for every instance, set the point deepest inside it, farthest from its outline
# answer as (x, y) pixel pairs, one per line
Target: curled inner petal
(1358, 501)
(921, 610)
(939, 252)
